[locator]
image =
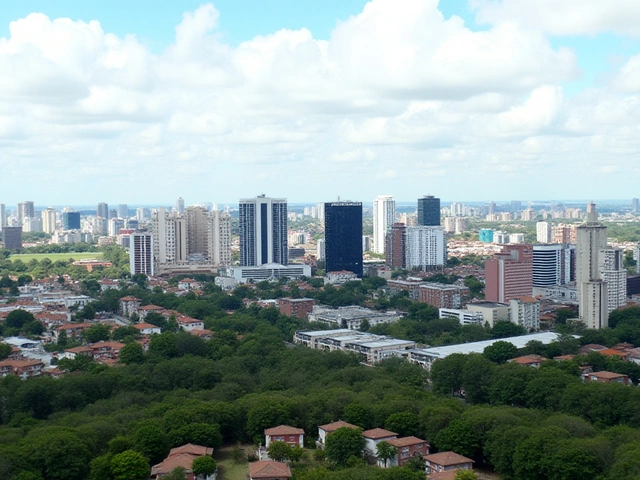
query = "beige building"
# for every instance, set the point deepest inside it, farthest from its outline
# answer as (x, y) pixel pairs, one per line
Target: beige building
(49, 220)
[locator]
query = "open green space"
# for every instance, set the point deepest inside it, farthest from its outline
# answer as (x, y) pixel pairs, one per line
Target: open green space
(27, 257)
(227, 468)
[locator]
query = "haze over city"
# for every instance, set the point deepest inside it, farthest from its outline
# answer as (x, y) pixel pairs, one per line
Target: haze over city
(476, 100)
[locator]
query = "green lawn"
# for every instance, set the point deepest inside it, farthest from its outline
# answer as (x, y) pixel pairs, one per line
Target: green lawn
(26, 257)
(227, 468)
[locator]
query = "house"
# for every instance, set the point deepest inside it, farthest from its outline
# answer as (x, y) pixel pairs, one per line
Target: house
(108, 284)
(284, 433)
(563, 358)
(146, 309)
(73, 330)
(188, 284)
(147, 328)
(373, 437)
(529, 360)
(406, 449)
(446, 461)
(591, 347)
(72, 353)
(106, 350)
(182, 457)
(269, 470)
(325, 430)
(21, 368)
(614, 352)
(188, 323)
(203, 334)
(129, 306)
(607, 377)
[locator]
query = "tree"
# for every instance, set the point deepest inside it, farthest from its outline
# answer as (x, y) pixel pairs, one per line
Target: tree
(178, 473)
(405, 424)
(132, 353)
(129, 465)
(5, 350)
(500, 351)
(279, 451)
(204, 466)
(18, 317)
(344, 443)
(466, 475)
(507, 329)
(60, 456)
(385, 451)
(152, 442)
(97, 333)
(358, 414)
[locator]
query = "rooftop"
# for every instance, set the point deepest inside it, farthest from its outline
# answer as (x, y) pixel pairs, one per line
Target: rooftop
(447, 458)
(284, 430)
(332, 427)
(377, 433)
(269, 469)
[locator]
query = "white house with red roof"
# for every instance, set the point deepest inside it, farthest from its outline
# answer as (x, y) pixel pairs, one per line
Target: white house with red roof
(146, 309)
(373, 437)
(188, 284)
(325, 430)
(147, 328)
(406, 449)
(189, 324)
(446, 461)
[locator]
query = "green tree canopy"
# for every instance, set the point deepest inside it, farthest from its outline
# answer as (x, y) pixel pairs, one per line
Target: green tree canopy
(129, 465)
(343, 444)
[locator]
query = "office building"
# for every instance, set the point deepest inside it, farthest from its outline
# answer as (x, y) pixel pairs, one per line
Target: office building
(12, 237)
(635, 206)
(141, 253)
(179, 206)
(71, 220)
(115, 225)
(543, 232)
(123, 210)
(429, 211)
(552, 264)
(343, 237)
(613, 273)
(103, 211)
(509, 274)
(25, 210)
(426, 248)
(591, 289)
(49, 220)
(263, 231)
(384, 214)
(395, 249)
(366, 243)
(3, 216)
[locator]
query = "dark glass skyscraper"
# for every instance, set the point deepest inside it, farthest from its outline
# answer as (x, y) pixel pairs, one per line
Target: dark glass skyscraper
(263, 231)
(429, 211)
(343, 236)
(71, 220)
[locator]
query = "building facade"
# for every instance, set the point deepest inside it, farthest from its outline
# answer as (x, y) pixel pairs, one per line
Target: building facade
(141, 253)
(343, 237)
(71, 221)
(263, 231)
(12, 238)
(384, 214)
(429, 211)
(612, 271)
(553, 264)
(525, 311)
(509, 274)
(426, 248)
(396, 247)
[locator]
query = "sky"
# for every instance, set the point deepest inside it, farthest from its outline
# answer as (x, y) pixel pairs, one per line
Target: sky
(142, 101)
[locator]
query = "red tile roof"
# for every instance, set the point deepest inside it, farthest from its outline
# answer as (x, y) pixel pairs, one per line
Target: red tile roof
(377, 433)
(332, 427)
(405, 441)
(268, 469)
(447, 459)
(284, 430)
(191, 449)
(607, 375)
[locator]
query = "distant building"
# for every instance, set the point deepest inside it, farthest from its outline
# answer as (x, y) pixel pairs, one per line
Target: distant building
(396, 249)
(486, 235)
(263, 231)
(343, 237)
(296, 307)
(525, 311)
(3, 216)
(440, 295)
(12, 238)
(543, 232)
(612, 271)
(71, 221)
(384, 214)
(429, 211)
(465, 317)
(553, 264)
(141, 253)
(492, 312)
(103, 211)
(179, 206)
(123, 211)
(509, 274)
(25, 210)
(48, 220)
(426, 248)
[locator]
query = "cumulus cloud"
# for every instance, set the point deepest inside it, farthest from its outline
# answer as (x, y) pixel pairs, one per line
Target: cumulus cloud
(397, 95)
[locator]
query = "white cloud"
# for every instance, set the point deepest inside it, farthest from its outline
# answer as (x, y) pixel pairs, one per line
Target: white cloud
(397, 96)
(563, 17)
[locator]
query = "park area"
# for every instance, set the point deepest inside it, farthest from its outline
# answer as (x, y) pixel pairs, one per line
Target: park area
(27, 257)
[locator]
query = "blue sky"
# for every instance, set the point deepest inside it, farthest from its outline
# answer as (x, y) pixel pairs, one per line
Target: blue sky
(510, 102)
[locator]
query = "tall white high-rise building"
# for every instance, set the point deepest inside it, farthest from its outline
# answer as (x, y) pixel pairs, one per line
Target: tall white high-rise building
(123, 210)
(263, 231)
(115, 225)
(49, 220)
(426, 247)
(612, 271)
(180, 205)
(197, 233)
(141, 253)
(25, 210)
(384, 215)
(591, 290)
(543, 232)
(169, 239)
(219, 238)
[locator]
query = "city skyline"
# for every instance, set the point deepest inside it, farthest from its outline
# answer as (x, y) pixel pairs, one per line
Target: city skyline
(483, 96)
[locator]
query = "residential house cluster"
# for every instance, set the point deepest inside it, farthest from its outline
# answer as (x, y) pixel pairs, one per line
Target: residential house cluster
(182, 457)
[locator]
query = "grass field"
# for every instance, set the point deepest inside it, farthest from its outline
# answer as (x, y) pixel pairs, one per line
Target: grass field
(26, 257)
(227, 468)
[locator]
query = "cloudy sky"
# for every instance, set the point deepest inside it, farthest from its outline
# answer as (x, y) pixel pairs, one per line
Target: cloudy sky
(467, 100)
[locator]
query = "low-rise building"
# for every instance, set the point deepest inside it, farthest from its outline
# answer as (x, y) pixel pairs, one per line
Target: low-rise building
(446, 461)
(21, 368)
(269, 470)
(328, 429)
(465, 317)
(441, 295)
(188, 323)
(525, 311)
(284, 433)
(406, 449)
(351, 317)
(182, 457)
(147, 328)
(607, 377)
(296, 307)
(129, 305)
(340, 277)
(373, 437)
(492, 312)
(529, 360)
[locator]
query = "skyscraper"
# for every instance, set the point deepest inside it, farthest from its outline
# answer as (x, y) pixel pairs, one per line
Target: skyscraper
(509, 274)
(552, 264)
(384, 215)
(343, 236)
(613, 273)
(543, 232)
(635, 205)
(263, 231)
(25, 210)
(197, 240)
(429, 211)
(426, 248)
(180, 205)
(219, 237)
(169, 239)
(71, 221)
(123, 210)
(49, 220)
(141, 253)
(12, 238)
(591, 289)
(103, 211)
(395, 249)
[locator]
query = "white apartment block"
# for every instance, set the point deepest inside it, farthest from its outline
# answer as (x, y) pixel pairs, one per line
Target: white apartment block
(384, 215)
(543, 232)
(426, 247)
(525, 311)
(465, 317)
(610, 266)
